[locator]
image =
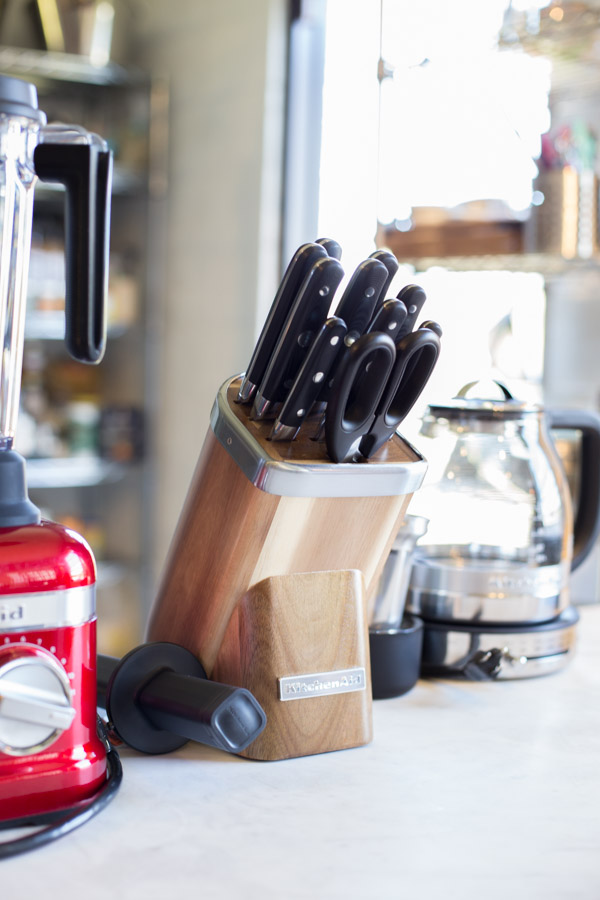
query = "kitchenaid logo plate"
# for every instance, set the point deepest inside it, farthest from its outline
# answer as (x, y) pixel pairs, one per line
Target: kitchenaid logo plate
(321, 684)
(47, 609)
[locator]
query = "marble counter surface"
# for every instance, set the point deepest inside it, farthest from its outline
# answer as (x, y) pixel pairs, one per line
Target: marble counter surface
(467, 790)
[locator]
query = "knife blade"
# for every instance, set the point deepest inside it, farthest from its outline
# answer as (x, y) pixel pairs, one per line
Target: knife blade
(300, 264)
(319, 362)
(332, 247)
(413, 298)
(309, 311)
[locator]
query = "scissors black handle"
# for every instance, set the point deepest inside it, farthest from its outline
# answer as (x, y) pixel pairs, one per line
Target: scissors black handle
(356, 391)
(416, 356)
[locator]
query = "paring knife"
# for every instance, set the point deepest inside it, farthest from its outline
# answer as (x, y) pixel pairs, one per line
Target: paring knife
(413, 298)
(308, 313)
(390, 318)
(317, 365)
(332, 247)
(304, 257)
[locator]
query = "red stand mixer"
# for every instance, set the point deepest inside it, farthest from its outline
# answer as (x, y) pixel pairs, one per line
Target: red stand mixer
(51, 756)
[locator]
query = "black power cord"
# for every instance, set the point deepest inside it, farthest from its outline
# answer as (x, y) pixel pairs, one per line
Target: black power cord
(61, 823)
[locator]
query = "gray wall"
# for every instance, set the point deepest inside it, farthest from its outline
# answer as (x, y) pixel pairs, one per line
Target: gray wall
(225, 65)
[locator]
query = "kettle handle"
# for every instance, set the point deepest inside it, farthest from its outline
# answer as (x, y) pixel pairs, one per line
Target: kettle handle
(86, 172)
(587, 519)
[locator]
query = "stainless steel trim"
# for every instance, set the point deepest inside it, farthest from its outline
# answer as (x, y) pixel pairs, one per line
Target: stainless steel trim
(47, 609)
(322, 684)
(300, 479)
(486, 590)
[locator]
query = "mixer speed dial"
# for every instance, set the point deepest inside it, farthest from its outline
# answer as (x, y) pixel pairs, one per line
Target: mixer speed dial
(35, 699)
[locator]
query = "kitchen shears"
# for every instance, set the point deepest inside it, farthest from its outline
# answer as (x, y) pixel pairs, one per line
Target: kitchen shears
(377, 384)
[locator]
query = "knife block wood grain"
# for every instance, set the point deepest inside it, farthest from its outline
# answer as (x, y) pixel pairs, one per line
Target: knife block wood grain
(231, 535)
(301, 624)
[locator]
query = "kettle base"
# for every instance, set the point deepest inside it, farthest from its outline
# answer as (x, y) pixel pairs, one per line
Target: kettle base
(521, 651)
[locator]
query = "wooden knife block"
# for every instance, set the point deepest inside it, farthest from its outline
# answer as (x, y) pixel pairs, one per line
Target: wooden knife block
(291, 640)
(258, 509)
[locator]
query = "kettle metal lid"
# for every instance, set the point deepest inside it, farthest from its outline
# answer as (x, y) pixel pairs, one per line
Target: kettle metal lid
(19, 98)
(481, 405)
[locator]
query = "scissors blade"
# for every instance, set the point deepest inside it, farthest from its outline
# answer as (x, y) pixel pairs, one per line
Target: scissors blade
(356, 391)
(416, 356)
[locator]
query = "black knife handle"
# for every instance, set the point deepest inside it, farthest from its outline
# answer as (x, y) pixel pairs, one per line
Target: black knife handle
(390, 318)
(333, 248)
(359, 299)
(302, 261)
(310, 310)
(414, 298)
(392, 265)
(311, 376)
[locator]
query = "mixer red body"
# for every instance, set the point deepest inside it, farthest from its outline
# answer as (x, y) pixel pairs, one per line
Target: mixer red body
(47, 618)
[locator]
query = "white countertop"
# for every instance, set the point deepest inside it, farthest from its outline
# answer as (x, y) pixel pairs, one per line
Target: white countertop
(467, 790)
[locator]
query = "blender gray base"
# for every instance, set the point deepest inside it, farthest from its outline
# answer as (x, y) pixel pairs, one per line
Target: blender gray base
(524, 651)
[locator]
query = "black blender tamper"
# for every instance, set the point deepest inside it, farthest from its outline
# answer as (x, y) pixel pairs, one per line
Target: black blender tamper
(158, 697)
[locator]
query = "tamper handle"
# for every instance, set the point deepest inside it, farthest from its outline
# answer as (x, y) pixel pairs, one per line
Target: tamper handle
(158, 697)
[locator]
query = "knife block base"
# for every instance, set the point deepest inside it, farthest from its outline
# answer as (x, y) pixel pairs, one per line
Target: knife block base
(291, 641)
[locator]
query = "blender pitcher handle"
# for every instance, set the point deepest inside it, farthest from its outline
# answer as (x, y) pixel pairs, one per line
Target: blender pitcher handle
(85, 169)
(587, 519)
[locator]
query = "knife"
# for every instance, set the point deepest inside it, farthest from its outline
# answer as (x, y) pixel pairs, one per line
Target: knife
(392, 265)
(319, 362)
(358, 300)
(390, 318)
(413, 298)
(332, 247)
(304, 257)
(307, 315)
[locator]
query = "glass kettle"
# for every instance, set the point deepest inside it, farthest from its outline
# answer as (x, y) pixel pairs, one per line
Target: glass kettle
(502, 538)
(31, 150)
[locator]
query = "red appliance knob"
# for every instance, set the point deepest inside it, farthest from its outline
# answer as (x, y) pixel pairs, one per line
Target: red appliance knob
(35, 699)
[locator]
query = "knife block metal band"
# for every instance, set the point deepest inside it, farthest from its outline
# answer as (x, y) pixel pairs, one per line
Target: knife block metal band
(299, 643)
(257, 509)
